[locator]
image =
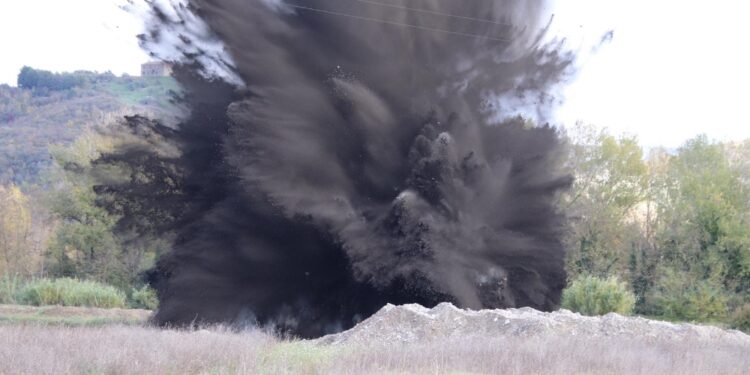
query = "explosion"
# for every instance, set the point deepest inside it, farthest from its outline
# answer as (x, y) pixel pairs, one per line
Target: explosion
(343, 154)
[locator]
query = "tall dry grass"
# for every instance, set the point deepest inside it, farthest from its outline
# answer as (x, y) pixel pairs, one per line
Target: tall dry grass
(32, 349)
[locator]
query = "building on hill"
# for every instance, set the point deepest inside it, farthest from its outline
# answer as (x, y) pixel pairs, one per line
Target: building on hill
(156, 69)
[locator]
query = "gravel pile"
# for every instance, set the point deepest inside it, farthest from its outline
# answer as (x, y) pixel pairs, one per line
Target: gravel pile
(415, 323)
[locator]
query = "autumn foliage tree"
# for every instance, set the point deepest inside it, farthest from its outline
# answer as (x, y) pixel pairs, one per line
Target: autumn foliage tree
(611, 181)
(15, 232)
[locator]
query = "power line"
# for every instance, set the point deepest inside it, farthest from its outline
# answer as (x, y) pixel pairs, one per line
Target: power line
(427, 11)
(425, 28)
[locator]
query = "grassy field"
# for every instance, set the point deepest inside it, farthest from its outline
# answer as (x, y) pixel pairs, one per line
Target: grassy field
(52, 341)
(71, 316)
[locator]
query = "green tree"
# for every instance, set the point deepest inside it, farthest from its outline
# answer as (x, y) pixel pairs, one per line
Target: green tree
(704, 234)
(611, 182)
(15, 232)
(86, 243)
(30, 78)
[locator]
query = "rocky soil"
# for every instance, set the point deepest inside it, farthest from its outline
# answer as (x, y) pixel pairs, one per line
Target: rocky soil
(414, 323)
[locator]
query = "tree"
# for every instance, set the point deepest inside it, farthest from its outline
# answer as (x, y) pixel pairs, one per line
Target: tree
(706, 221)
(85, 244)
(30, 78)
(611, 181)
(15, 232)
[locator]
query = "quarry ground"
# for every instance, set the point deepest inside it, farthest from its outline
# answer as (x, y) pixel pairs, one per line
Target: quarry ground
(397, 340)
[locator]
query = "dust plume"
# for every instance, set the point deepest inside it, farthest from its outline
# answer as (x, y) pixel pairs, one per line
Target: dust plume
(342, 154)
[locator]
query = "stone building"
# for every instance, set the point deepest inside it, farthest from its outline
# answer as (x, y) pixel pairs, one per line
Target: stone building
(156, 69)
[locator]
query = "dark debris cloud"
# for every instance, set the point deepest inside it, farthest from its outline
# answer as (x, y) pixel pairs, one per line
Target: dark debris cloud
(342, 154)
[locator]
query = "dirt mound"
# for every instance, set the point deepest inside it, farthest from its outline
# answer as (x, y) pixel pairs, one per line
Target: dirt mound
(415, 323)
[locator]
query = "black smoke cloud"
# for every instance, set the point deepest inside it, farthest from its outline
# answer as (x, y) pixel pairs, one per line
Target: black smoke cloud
(356, 153)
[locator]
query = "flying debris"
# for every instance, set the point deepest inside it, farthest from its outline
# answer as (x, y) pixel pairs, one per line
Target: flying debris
(344, 154)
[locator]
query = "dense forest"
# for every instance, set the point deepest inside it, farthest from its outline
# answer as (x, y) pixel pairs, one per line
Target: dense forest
(673, 225)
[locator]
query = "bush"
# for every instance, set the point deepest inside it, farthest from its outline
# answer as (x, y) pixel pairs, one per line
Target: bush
(677, 296)
(71, 292)
(591, 295)
(144, 298)
(740, 318)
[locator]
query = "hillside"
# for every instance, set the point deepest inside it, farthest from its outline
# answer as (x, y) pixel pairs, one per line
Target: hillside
(31, 119)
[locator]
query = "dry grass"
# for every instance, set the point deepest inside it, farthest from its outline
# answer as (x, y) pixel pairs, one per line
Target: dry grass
(37, 349)
(71, 316)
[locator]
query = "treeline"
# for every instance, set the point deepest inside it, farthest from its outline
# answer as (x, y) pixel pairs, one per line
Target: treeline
(37, 79)
(674, 225)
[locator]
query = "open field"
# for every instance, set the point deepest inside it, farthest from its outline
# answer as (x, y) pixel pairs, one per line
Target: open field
(34, 347)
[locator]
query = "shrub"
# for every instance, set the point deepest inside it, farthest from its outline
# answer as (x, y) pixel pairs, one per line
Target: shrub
(740, 318)
(677, 296)
(144, 298)
(71, 292)
(590, 295)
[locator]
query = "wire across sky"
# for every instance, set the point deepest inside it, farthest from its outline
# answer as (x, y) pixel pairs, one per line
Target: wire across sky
(402, 24)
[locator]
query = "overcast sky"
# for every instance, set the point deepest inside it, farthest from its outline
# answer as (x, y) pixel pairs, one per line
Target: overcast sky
(674, 68)
(66, 35)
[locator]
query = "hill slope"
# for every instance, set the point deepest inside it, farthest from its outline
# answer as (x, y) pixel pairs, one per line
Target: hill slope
(31, 119)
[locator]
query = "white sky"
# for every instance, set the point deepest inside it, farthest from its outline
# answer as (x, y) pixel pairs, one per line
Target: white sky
(68, 35)
(674, 69)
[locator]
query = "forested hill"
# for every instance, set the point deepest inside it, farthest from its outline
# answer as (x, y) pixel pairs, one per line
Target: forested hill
(51, 108)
